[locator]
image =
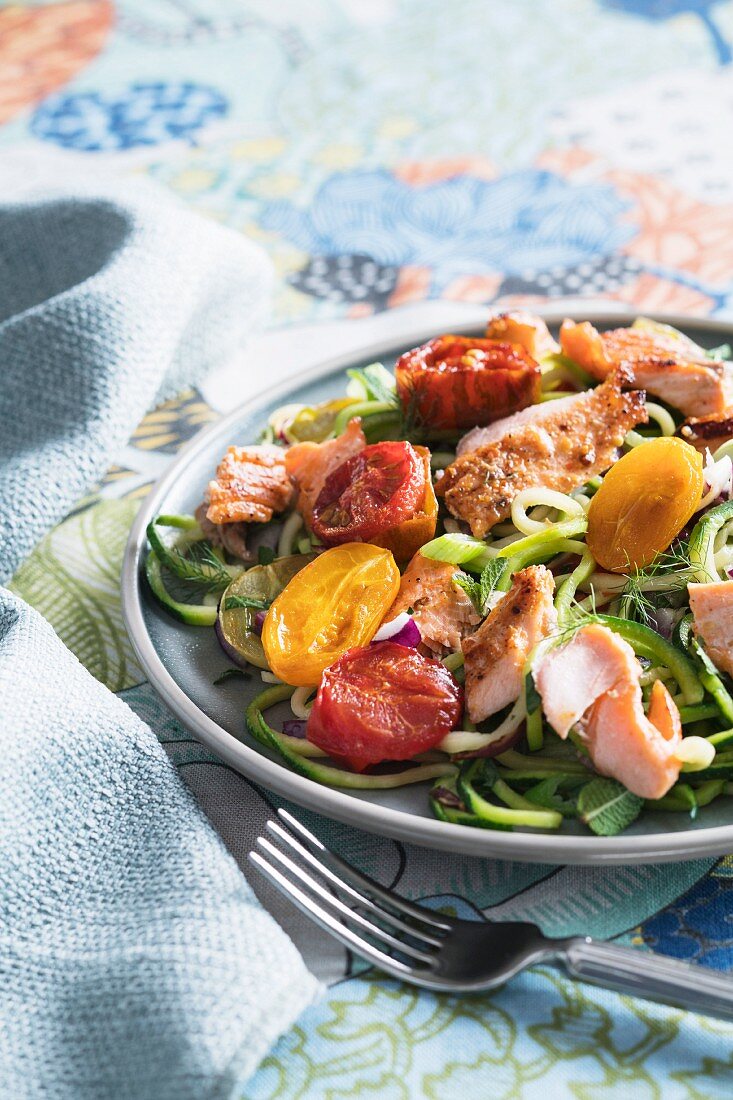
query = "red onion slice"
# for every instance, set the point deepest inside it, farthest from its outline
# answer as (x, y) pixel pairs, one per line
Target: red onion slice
(294, 727)
(403, 630)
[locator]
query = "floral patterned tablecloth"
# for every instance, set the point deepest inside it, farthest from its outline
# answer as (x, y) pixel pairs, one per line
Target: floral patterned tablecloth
(387, 152)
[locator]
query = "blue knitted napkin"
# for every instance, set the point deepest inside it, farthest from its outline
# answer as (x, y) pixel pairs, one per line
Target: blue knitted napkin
(134, 959)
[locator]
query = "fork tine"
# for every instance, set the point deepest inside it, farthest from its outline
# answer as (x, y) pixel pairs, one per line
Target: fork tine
(435, 920)
(360, 899)
(380, 934)
(330, 923)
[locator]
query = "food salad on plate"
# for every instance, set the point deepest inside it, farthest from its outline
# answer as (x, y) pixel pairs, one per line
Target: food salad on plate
(505, 569)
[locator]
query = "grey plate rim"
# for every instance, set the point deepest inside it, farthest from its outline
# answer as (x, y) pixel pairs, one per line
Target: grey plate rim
(334, 803)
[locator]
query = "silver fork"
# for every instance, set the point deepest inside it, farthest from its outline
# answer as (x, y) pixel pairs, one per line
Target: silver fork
(429, 949)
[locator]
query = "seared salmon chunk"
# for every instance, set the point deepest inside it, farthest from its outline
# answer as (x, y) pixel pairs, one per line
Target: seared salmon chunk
(712, 610)
(442, 611)
(664, 363)
(592, 684)
(251, 485)
(557, 445)
(496, 654)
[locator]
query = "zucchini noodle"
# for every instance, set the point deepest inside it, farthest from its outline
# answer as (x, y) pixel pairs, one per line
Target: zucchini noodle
(548, 498)
(659, 414)
(299, 704)
(290, 529)
(633, 439)
(466, 741)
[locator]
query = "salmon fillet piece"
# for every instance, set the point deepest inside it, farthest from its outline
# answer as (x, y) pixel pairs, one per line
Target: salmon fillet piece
(671, 367)
(496, 654)
(309, 464)
(231, 536)
(557, 445)
(592, 683)
(708, 432)
(443, 613)
(526, 329)
(251, 485)
(712, 610)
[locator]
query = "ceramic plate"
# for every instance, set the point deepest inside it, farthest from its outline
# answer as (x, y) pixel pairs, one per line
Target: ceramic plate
(181, 662)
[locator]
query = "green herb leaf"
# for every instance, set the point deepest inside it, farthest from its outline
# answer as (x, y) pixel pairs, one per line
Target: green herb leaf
(479, 591)
(545, 794)
(232, 603)
(265, 555)
(491, 574)
(231, 674)
(378, 383)
(607, 807)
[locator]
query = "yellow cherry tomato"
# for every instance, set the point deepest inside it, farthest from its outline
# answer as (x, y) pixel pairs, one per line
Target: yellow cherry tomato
(645, 500)
(335, 603)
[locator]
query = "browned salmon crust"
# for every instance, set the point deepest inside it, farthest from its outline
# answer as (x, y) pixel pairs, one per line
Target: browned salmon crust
(708, 432)
(671, 367)
(251, 485)
(496, 654)
(442, 611)
(555, 449)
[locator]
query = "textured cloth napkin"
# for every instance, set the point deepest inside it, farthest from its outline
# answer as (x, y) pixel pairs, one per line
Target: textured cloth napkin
(134, 959)
(107, 302)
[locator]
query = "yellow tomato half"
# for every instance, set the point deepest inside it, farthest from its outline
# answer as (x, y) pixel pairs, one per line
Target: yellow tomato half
(644, 502)
(335, 603)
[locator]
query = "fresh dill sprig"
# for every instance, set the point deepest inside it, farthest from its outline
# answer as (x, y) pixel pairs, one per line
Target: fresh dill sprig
(201, 565)
(657, 585)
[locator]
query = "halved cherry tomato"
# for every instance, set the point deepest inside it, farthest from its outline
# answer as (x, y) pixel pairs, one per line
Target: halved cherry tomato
(335, 603)
(384, 702)
(644, 502)
(379, 488)
(407, 537)
(464, 381)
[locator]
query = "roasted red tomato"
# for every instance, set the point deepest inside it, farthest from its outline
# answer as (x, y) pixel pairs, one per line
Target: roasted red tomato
(384, 702)
(379, 488)
(464, 381)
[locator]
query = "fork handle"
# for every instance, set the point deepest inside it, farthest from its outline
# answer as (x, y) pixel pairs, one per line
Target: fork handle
(654, 977)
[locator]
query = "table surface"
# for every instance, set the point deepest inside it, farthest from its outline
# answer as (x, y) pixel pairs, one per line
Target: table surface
(439, 159)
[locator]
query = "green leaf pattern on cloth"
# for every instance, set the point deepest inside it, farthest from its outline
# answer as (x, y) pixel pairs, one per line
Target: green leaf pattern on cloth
(72, 578)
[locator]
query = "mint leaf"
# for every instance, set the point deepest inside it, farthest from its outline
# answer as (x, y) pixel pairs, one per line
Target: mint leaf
(471, 587)
(545, 794)
(607, 807)
(265, 555)
(491, 574)
(479, 591)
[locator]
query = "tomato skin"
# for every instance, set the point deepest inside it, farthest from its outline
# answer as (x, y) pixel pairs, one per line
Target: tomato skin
(645, 500)
(335, 603)
(406, 539)
(377, 489)
(383, 702)
(464, 381)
